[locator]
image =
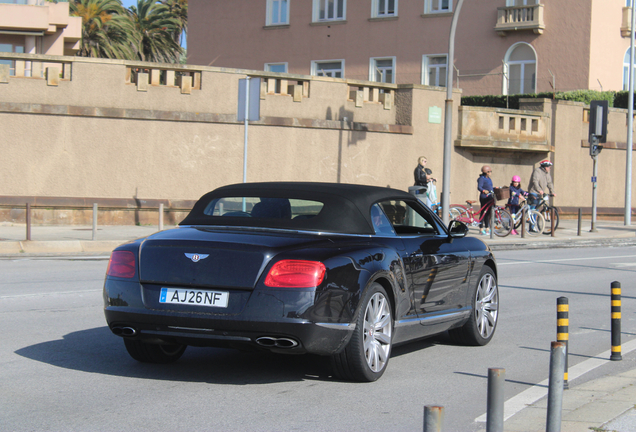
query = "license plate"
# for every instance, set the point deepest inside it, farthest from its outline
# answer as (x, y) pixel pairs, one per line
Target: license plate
(194, 297)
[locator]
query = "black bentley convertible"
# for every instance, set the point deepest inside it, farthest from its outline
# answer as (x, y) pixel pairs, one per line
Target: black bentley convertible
(339, 270)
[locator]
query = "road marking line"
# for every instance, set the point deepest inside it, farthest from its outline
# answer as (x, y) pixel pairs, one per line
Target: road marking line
(564, 260)
(527, 397)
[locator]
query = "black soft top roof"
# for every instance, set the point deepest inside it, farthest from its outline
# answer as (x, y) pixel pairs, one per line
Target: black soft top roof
(346, 206)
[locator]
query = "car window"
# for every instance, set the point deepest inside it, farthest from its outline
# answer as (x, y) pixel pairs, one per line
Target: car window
(263, 207)
(381, 223)
(408, 219)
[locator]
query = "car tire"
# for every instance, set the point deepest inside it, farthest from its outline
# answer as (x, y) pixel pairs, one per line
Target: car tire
(480, 327)
(153, 353)
(367, 355)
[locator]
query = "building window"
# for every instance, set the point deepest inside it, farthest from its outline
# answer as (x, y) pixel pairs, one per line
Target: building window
(384, 8)
(437, 6)
(276, 67)
(520, 70)
(277, 12)
(328, 68)
(11, 48)
(382, 70)
(434, 70)
(329, 10)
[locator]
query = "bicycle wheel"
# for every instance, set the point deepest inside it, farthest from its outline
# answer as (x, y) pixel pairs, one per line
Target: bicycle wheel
(503, 222)
(457, 211)
(548, 224)
(534, 223)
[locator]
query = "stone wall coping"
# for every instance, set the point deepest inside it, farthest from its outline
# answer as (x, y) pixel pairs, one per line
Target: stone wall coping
(505, 111)
(198, 68)
(87, 202)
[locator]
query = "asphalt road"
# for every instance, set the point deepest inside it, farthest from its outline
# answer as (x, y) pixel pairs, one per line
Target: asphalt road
(62, 370)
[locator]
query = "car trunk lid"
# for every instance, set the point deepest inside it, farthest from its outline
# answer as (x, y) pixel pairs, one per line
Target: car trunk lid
(213, 258)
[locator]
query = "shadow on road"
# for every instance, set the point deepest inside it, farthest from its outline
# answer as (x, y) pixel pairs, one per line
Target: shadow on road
(97, 350)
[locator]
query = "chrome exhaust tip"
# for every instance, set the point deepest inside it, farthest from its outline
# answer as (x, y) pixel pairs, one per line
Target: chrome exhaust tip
(276, 342)
(124, 331)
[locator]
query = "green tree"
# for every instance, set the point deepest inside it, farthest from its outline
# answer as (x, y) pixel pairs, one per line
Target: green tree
(154, 29)
(179, 10)
(106, 29)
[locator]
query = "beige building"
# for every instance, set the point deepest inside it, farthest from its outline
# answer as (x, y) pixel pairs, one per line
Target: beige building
(501, 46)
(37, 27)
(130, 135)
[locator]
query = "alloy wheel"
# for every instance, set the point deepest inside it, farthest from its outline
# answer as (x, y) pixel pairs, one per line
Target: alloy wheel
(486, 305)
(377, 332)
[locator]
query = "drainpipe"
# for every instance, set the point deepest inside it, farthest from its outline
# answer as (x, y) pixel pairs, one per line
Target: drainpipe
(448, 117)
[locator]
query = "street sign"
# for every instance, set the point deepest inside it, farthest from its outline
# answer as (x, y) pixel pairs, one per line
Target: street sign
(434, 114)
(254, 100)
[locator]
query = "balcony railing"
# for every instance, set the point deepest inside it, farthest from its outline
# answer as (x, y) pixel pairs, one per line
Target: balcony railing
(502, 129)
(515, 18)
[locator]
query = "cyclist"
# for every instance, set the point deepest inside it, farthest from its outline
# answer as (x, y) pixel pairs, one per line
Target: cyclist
(541, 181)
(516, 197)
(484, 185)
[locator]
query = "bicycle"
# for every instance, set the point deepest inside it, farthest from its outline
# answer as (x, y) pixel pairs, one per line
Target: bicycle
(503, 221)
(542, 205)
(534, 223)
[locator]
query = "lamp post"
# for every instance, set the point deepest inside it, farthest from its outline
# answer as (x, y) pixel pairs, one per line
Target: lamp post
(448, 117)
(630, 128)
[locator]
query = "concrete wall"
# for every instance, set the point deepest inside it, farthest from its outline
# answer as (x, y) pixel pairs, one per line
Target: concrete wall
(106, 135)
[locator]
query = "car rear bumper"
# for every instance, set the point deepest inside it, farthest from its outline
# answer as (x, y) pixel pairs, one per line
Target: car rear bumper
(293, 336)
(286, 320)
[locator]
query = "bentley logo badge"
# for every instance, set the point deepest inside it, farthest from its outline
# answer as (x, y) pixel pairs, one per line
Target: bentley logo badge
(196, 257)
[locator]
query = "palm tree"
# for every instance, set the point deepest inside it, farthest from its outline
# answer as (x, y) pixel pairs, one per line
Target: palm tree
(106, 29)
(179, 10)
(154, 30)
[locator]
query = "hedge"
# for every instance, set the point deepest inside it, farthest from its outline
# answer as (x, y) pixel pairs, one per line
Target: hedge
(586, 96)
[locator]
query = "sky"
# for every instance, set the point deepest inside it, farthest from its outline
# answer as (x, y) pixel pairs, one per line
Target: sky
(129, 3)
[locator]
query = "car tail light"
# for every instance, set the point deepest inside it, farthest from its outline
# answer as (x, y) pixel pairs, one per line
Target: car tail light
(122, 264)
(296, 274)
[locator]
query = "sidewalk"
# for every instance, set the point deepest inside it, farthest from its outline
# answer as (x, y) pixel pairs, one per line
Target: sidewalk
(77, 239)
(606, 403)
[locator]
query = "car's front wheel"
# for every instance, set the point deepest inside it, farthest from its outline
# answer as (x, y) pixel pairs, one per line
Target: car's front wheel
(153, 353)
(481, 325)
(366, 356)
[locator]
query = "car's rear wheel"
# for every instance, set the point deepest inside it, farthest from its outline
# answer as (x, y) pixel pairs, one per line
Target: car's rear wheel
(480, 327)
(366, 356)
(153, 353)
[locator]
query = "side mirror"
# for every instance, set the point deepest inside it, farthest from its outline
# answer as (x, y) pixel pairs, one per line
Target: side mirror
(457, 229)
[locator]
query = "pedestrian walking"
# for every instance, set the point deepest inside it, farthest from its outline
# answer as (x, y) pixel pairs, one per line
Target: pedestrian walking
(423, 177)
(484, 185)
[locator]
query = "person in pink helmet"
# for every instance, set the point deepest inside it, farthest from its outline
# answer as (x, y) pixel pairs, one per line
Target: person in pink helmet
(517, 195)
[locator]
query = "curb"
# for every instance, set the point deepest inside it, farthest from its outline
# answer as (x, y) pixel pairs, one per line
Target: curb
(57, 247)
(95, 247)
